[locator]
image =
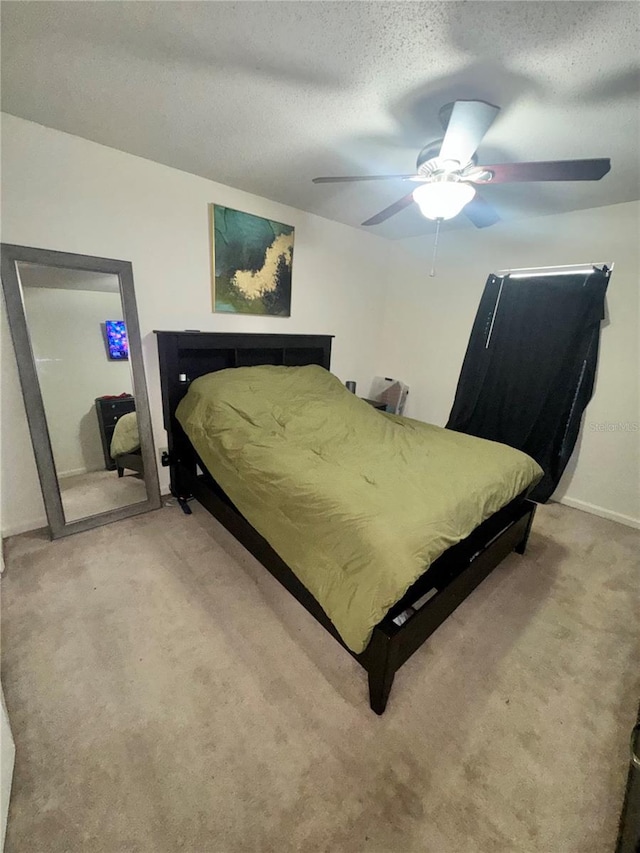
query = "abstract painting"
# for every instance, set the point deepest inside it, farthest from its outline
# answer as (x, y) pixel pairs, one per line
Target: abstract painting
(252, 261)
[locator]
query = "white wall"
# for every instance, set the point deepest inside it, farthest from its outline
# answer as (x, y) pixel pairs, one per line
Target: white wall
(62, 192)
(428, 322)
(73, 369)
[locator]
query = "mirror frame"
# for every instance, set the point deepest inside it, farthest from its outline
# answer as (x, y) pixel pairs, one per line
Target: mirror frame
(11, 256)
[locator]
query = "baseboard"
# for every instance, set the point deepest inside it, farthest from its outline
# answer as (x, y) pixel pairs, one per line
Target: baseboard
(38, 524)
(73, 472)
(602, 512)
(23, 527)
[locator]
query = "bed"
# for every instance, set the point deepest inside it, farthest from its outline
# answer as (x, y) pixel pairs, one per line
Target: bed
(125, 445)
(427, 595)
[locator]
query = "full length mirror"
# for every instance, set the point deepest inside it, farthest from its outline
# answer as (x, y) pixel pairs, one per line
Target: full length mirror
(80, 347)
(77, 342)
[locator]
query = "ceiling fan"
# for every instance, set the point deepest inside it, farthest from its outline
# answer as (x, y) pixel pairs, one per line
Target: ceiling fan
(447, 171)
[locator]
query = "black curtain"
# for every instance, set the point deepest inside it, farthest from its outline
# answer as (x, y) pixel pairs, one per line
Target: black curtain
(530, 366)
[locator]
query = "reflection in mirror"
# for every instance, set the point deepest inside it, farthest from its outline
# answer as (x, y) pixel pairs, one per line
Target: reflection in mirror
(78, 337)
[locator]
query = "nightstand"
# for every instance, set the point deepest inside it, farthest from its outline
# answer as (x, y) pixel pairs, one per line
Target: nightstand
(375, 403)
(110, 410)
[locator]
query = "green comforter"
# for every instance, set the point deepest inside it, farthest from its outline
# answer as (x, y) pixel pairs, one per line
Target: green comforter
(125, 438)
(356, 502)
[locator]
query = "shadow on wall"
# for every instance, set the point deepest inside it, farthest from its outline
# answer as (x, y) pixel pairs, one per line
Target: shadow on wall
(567, 476)
(90, 441)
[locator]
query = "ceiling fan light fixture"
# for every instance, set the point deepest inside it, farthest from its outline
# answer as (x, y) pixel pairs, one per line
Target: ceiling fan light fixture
(443, 200)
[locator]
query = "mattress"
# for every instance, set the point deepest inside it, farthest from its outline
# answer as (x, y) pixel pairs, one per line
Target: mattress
(357, 502)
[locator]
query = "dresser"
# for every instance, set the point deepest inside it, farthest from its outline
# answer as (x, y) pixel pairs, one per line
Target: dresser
(110, 410)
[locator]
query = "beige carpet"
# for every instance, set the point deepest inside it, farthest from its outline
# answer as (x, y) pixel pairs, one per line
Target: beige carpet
(166, 694)
(100, 491)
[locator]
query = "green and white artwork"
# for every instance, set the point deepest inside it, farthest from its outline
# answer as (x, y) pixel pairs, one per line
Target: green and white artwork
(252, 260)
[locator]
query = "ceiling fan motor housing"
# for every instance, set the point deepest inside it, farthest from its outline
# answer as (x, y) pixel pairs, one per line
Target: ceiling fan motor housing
(429, 152)
(430, 165)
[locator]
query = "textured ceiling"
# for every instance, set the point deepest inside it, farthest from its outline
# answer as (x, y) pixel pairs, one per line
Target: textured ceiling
(266, 95)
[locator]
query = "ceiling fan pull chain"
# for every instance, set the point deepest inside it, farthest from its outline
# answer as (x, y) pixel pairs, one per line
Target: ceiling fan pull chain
(435, 249)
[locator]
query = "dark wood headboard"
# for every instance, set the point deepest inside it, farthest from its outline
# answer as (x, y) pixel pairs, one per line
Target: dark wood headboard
(184, 356)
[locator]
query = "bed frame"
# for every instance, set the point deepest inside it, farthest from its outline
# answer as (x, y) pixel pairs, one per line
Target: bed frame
(132, 461)
(435, 595)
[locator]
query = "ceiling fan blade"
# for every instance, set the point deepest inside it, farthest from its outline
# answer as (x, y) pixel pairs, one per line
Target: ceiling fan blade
(390, 211)
(363, 178)
(468, 122)
(480, 212)
(549, 170)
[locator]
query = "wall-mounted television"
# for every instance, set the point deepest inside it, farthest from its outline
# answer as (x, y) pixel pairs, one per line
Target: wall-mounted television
(117, 343)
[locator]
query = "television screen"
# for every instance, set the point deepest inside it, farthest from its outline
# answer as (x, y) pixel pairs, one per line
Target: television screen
(117, 342)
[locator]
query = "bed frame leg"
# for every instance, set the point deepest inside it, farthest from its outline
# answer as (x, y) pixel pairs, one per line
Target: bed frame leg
(381, 671)
(120, 472)
(178, 489)
(521, 547)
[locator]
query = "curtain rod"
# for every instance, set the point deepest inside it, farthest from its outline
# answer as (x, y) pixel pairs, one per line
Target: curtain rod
(556, 268)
